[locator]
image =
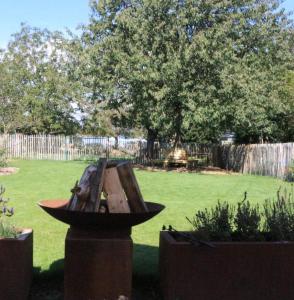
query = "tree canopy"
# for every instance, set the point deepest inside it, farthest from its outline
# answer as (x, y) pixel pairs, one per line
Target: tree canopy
(180, 70)
(35, 91)
(193, 69)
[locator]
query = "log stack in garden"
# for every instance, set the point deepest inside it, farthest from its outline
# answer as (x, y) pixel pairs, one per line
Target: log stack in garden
(105, 188)
(113, 180)
(105, 203)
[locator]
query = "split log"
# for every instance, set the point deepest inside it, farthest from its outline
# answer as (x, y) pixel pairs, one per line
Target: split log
(81, 192)
(96, 184)
(131, 187)
(116, 199)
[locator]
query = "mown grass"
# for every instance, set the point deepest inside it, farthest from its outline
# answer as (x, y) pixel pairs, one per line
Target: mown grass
(181, 193)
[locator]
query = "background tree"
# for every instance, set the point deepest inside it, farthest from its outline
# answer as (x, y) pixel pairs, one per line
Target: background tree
(36, 83)
(192, 69)
(11, 115)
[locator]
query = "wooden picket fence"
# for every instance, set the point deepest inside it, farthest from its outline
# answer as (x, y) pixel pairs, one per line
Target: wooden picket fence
(260, 159)
(58, 147)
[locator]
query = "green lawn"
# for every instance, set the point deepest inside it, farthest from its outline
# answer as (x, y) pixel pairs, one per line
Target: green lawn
(181, 193)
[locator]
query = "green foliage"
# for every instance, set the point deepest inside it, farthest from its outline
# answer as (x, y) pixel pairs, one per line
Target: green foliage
(3, 159)
(37, 94)
(6, 229)
(279, 217)
(192, 69)
(290, 173)
(247, 222)
(215, 223)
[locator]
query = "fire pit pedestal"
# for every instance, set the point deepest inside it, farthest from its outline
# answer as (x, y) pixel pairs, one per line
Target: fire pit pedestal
(98, 250)
(98, 264)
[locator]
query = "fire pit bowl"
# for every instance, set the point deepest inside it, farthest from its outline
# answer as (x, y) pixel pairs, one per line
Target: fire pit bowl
(57, 209)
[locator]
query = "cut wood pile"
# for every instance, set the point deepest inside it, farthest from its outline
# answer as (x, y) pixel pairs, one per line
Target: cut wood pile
(114, 181)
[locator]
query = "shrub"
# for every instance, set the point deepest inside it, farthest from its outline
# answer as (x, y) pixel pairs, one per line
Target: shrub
(246, 222)
(279, 217)
(216, 223)
(290, 173)
(6, 229)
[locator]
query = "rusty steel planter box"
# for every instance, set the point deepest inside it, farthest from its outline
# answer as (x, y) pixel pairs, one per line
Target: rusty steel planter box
(230, 271)
(16, 264)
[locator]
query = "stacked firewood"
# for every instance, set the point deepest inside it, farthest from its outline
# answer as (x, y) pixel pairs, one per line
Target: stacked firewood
(116, 181)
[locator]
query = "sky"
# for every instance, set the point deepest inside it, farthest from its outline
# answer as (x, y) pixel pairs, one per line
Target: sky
(51, 14)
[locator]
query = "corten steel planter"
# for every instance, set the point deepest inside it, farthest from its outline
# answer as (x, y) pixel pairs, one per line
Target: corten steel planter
(98, 251)
(230, 271)
(16, 264)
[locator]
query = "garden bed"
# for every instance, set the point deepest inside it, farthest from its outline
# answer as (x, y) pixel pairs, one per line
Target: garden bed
(8, 171)
(230, 270)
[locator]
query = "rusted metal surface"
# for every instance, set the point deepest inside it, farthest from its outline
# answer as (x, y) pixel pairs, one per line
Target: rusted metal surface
(97, 268)
(98, 250)
(230, 271)
(16, 265)
(57, 209)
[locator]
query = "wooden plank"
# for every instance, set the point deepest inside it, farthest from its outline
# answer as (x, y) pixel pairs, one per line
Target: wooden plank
(82, 192)
(96, 183)
(131, 187)
(116, 198)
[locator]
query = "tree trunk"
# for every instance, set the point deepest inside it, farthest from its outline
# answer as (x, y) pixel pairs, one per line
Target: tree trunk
(152, 135)
(115, 142)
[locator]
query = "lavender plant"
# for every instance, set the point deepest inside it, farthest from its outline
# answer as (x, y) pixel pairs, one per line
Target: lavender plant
(215, 223)
(279, 216)
(6, 229)
(247, 222)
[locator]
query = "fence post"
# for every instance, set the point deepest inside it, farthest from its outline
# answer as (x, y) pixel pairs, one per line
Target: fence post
(66, 140)
(107, 148)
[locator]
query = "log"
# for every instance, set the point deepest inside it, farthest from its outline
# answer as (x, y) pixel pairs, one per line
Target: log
(131, 187)
(96, 184)
(116, 199)
(81, 192)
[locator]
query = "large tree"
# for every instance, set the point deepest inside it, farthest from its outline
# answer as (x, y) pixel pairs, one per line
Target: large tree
(191, 69)
(35, 85)
(11, 113)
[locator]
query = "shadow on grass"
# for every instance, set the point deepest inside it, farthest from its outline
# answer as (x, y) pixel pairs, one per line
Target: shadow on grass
(48, 284)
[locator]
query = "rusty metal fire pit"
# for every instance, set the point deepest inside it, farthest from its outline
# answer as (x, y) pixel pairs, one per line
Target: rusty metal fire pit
(57, 209)
(98, 244)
